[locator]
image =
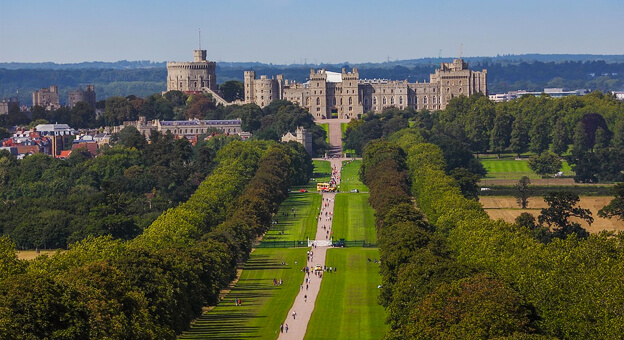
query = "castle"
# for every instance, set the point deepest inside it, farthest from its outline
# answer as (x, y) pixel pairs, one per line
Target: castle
(344, 95)
(80, 95)
(331, 94)
(193, 76)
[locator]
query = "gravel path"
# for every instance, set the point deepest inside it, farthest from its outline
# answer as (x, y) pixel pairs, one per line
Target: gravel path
(304, 303)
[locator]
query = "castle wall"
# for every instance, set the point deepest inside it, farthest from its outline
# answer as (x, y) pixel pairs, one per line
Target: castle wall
(345, 95)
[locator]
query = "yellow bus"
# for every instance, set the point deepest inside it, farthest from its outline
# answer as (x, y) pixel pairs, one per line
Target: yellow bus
(324, 187)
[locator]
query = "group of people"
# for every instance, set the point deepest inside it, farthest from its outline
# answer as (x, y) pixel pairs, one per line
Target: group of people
(283, 328)
(278, 282)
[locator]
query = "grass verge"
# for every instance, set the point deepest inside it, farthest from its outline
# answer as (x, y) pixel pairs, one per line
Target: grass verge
(346, 307)
(350, 177)
(264, 306)
(354, 218)
(299, 225)
(325, 127)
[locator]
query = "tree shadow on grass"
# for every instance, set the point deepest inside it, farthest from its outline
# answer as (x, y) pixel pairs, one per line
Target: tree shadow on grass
(223, 326)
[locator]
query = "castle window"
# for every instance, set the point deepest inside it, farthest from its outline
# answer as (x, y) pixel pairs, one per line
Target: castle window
(384, 100)
(425, 100)
(400, 100)
(340, 101)
(350, 101)
(350, 108)
(308, 101)
(448, 90)
(262, 104)
(448, 82)
(375, 102)
(318, 109)
(460, 89)
(460, 83)
(195, 84)
(318, 101)
(391, 100)
(318, 84)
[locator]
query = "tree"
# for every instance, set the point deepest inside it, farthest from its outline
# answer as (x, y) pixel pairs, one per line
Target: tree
(478, 307)
(519, 141)
(616, 206)
(467, 182)
(562, 206)
(539, 136)
(130, 137)
(233, 90)
(198, 106)
(618, 134)
(544, 164)
(500, 134)
(523, 191)
(560, 138)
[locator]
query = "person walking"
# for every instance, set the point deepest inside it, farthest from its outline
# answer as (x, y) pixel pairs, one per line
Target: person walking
(294, 314)
(282, 328)
(286, 328)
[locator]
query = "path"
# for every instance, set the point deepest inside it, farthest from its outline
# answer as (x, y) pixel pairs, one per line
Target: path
(304, 302)
(335, 134)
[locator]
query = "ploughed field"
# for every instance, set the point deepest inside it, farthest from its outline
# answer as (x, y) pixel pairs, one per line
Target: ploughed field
(508, 209)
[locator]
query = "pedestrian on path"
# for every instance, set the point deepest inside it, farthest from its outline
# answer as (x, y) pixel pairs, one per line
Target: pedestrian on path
(282, 328)
(286, 328)
(294, 314)
(305, 298)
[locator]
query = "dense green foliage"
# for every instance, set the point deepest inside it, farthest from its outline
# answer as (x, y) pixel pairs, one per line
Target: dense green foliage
(454, 282)
(152, 286)
(590, 126)
(50, 203)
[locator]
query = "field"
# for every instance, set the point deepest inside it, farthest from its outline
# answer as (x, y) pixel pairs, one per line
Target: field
(354, 218)
(301, 226)
(264, 306)
(507, 168)
(350, 177)
(32, 254)
(507, 209)
(346, 307)
(322, 173)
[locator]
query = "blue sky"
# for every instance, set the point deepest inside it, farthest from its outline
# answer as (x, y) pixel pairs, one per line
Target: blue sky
(314, 31)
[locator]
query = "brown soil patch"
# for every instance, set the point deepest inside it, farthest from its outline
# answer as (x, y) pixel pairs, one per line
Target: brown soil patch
(507, 209)
(32, 254)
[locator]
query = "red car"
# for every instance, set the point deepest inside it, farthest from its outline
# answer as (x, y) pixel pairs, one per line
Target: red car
(303, 190)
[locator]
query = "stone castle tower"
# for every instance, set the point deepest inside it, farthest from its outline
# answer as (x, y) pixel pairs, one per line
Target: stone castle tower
(191, 77)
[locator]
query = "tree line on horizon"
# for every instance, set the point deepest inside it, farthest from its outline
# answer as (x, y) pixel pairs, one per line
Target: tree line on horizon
(504, 74)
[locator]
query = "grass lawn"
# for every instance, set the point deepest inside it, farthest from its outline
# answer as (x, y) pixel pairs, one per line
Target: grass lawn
(301, 226)
(325, 127)
(350, 178)
(513, 169)
(354, 218)
(322, 173)
(264, 306)
(346, 307)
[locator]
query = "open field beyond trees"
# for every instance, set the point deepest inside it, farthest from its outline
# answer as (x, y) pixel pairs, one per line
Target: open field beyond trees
(510, 168)
(507, 208)
(264, 306)
(354, 218)
(347, 304)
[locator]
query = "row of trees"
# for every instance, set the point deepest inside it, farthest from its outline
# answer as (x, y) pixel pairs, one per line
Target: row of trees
(153, 286)
(427, 293)
(565, 288)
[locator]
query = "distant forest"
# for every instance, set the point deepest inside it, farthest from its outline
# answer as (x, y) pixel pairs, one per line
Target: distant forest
(144, 78)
